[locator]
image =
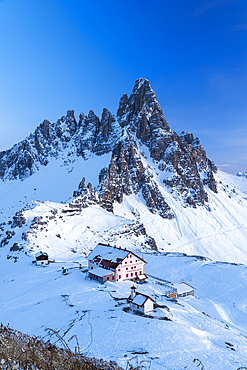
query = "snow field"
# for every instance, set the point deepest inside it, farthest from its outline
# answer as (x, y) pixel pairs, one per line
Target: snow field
(33, 298)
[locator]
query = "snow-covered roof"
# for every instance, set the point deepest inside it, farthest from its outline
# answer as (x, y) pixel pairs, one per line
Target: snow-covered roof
(183, 287)
(40, 253)
(98, 271)
(140, 299)
(109, 256)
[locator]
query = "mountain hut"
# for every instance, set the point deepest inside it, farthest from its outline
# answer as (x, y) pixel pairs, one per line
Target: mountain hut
(41, 258)
(107, 263)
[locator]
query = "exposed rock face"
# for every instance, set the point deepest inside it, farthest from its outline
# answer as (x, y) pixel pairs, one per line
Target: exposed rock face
(66, 138)
(242, 174)
(142, 114)
(86, 196)
(127, 174)
(179, 162)
(187, 167)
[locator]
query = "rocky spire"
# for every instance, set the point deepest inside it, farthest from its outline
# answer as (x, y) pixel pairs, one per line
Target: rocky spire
(141, 112)
(182, 156)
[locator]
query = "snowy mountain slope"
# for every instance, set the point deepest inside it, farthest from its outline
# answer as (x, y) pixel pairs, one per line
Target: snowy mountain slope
(132, 182)
(242, 174)
(218, 231)
(210, 328)
(54, 182)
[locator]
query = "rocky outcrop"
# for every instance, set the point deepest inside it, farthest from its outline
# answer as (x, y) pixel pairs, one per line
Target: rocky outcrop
(86, 196)
(242, 174)
(127, 174)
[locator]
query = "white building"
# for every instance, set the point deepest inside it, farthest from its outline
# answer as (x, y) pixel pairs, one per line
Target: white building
(41, 258)
(182, 290)
(115, 264)
(140, 302)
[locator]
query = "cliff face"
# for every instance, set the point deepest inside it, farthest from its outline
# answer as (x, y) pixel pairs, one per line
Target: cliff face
(179, 161)
(181, 156)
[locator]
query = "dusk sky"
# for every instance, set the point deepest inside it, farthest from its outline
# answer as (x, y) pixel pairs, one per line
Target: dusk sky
(58, 55)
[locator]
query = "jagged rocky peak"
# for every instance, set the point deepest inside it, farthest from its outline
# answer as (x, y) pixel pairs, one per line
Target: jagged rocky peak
(141, 112)
(184, 166)
(187, 167)
(90, 135)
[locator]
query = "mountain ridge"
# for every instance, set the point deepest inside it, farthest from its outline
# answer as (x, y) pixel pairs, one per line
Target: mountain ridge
(139, 122)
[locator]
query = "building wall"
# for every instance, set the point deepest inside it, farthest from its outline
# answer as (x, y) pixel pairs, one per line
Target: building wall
(134, 307)
(148, 306)
(42, 262)
(97, 278)
(130, 268)
(191, 292)
(102, 279)
(173, 295)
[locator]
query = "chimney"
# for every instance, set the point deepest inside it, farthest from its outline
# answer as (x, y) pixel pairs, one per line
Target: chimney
(133, 292)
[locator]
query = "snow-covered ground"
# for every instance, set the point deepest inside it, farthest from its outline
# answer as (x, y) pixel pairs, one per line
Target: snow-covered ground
(210, 327)
(205, 247)
(217, 230)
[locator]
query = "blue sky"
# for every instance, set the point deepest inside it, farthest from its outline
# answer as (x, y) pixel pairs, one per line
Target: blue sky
(59, 54)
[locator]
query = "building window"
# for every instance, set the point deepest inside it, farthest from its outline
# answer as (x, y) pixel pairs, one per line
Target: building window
(131, 267)
(113, 277)
(125, 262)
(127, 275)
(136, 273)
(119, 269)
(126, 268)
(107, 277)
(131, 273)
(130, 261)
(140, 273)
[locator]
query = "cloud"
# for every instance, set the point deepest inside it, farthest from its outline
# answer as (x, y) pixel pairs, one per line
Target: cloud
(223, 165)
